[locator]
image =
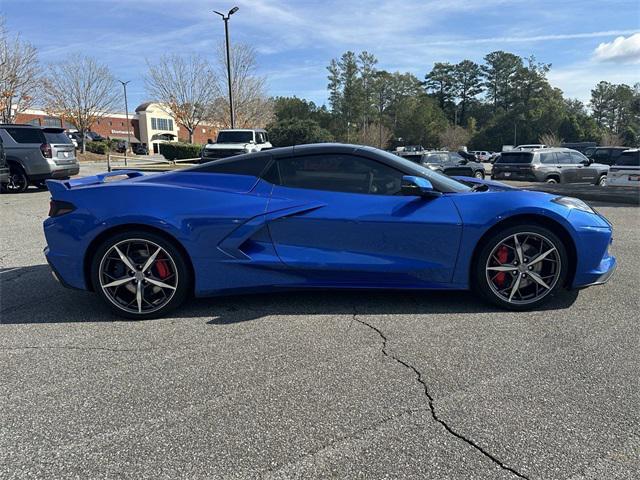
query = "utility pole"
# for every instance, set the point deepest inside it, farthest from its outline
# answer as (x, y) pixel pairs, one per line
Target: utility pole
(226, 34)
(126, 113)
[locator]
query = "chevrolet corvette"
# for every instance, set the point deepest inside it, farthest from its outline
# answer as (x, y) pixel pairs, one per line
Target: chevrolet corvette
(316, 216)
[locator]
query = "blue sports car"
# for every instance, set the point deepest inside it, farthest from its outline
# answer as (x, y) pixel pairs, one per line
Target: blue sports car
(316, 216)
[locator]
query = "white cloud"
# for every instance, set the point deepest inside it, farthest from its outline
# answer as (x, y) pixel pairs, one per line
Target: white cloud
(623, 50)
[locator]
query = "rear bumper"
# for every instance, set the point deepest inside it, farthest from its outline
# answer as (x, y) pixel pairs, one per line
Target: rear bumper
(65, 270)
(65, 171)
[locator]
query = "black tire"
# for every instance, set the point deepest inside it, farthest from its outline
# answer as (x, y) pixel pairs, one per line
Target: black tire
(183, 276)
(479, 174)
(40, 185)
(480, 276)
(602, 181)
(552, 180)
(18, 180)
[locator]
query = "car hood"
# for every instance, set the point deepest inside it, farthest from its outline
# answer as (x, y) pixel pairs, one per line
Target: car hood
(492, 184)
(223, 146)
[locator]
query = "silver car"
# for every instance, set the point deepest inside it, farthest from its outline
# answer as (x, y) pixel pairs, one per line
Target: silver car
(35, 154)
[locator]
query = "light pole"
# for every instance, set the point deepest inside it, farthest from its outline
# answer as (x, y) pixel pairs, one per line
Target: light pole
(226, 34)
(126, 113)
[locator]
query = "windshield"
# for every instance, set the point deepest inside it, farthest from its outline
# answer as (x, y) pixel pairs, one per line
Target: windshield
(440, 182)
(235, 137)
(515, 157)
(56, 136)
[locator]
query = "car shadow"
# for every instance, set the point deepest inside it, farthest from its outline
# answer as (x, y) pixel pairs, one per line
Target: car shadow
(30, 295)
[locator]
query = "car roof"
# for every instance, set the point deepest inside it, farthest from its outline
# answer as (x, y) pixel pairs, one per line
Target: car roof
(242, 130)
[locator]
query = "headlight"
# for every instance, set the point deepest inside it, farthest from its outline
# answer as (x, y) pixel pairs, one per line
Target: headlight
(572, 203)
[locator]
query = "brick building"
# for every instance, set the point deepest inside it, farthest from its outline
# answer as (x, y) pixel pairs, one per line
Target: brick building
(149, 124)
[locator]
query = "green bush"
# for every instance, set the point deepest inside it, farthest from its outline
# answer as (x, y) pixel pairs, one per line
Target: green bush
(178, 151)
(98, 147)
(293, 131)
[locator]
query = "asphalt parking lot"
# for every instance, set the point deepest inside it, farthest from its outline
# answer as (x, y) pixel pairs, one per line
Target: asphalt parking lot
(316, 384)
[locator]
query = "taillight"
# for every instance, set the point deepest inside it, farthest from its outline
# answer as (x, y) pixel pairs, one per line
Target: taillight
(45, 148)
(58, 207)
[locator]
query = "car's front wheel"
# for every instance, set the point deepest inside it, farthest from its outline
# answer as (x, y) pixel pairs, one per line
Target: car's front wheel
(521, 267)
(602, 181)
(140, 274)
(479, 174)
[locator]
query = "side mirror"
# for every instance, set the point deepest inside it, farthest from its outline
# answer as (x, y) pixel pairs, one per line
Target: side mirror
(585, 162)
(417, 187)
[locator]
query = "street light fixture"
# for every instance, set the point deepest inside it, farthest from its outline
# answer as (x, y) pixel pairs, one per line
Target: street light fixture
(226, 34)
(126, 112)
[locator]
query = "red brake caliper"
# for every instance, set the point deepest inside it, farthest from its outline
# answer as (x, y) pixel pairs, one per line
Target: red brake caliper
(501, 255)
(163, 269)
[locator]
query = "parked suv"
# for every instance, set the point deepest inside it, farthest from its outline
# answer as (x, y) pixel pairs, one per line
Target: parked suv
(35, 154)
(626, 170)
(551, 165)
(449, 163)
(606, 155)
(234, 142)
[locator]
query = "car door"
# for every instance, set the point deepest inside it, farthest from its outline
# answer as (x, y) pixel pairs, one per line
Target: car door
(458, 165)
(567, 168)
(584, 173)
(362, 229)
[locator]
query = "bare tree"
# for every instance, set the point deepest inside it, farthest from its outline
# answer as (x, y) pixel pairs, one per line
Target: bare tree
(550, 139)
(253, 108)
(80, 91)
(19, 75)
(454, 137)
(611, 139)
(186, 88)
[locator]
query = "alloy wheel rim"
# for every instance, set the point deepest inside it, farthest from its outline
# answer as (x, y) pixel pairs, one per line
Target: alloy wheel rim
(138, 276)
(523, 268)
(16, 182)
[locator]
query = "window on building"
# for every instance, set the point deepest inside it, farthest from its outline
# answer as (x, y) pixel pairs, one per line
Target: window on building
(51, 122)
(110, 123)
(34, 121)
(161, 124)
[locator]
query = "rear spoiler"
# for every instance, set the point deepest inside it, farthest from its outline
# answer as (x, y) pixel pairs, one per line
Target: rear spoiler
(57, 186)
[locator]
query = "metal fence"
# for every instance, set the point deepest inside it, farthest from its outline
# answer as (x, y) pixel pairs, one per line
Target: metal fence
(147, 162)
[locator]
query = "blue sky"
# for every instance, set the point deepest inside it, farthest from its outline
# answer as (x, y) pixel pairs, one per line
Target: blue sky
(585, 41)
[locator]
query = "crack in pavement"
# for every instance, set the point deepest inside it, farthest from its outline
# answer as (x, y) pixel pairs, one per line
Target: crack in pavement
(434, 415)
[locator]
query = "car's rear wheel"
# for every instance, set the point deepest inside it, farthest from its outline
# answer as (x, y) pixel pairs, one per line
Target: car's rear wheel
(18, 180)
(479, 174)
(552, 180)
(140, 274)
(521, 267)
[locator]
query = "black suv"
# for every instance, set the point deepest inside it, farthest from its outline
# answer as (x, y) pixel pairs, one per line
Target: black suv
(4, 169)
(449, 163)
(551, 165)
(605, 155)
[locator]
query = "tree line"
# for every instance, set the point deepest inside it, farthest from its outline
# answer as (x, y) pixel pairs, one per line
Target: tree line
(505, 100)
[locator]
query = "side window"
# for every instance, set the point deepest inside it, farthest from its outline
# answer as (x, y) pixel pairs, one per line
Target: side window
(26, 135)
(601, 155)
(548, 158)
(615, 153)
(432, 158)
(564, 158)
(339, 173)
(577, 157)
(443, 157)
